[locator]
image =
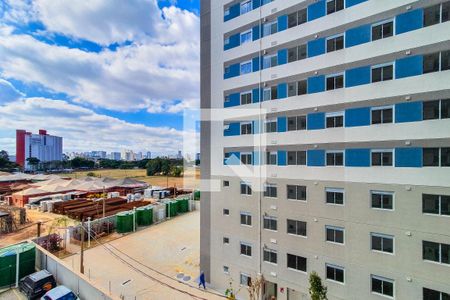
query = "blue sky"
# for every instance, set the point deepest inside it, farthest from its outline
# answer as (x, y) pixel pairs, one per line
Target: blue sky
(104, 74)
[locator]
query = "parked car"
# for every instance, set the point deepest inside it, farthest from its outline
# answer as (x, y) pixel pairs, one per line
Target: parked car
(37, 284)
(60, 293)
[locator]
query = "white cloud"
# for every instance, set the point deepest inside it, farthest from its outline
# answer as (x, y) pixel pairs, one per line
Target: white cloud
(8, 92)
(159, 71)
(85, 130)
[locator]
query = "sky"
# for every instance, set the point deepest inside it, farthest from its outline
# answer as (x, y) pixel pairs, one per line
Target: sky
(103, 74)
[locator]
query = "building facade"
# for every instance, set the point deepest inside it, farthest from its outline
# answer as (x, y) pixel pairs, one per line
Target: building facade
(326, 147)
(42, 146)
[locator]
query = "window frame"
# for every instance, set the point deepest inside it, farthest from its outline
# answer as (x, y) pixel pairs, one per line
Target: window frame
(335, 115)
(269, 156)
(376, 192)
(247, 246)
(334, 153)
(439, 214)
(382, 151)
(336, 267)
(335, 190)
(246, 93)
(440, 253)
(382, 74)
(247, 219)
(382, 109)
(245, 125)
(270, 252)
(247, 62)
(382, 236)
(335, 7)
(297, 160)
(243, 4)
(268, 190)
(334, 38)
(224, 212)
(297, 263)
(248, 188)
(298, 231)
(270, 219)
(382, 279)
(381, 23)
(247, 155)
(248, 32)
(244, 275)
(335, 76)
(335, 228)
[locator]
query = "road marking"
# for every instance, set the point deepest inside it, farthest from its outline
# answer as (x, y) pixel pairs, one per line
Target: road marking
(126, 282)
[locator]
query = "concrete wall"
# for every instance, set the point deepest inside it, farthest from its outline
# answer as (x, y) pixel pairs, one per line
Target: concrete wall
(75, 281)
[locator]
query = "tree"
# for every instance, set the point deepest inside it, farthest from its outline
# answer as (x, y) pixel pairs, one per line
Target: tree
(317, 290)
(165, 167)
(34, 162)
(154, 166)
(177, 171)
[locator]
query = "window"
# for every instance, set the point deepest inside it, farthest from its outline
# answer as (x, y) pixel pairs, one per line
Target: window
(297, 53)
(246, 188)
(436, 204)
(382, 200)
(246, 6)
(296, 227)
(335, 158)
(226, 183)
(270, 126)
(246, 67)
(226, 269)
(246, 158)
(226, 240)
(382, 286)
(334, 120)
(270, 28)
(334, 234)
(296, 123)
(381, 115)
(436, 252)
(334, 196)
(445, 60)
(431, 62)
(335, 273)
(297, 18)
(335, 82)
(296, 192)
(429, 294)
(246, 128)
(436, 157)
(270, 93)
(246, 98)
(335, 43)
(246, 37)
(246, 219)
(270, 190)
(297, 158)
(296, 262)
(382, 30)
(334, 6)
(246, 249)
(245, 279)
(270, 61)
(436, 14)
(297, 88)
(226, 98)
(226, 212)
(382, 242)
(270, 223)
(382, 73)
(436, 109)
(226, 12)
(381, 157)
(270, 256)
(271, 158)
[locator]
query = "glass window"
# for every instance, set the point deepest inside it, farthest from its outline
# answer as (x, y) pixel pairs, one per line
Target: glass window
(335, 158)
(431, 63)
(382, 73)
(246, 219)
(335, 43)
(246, 158)
(296, 192)
(246, 37)
(296, 227)
(246, 189)
(246, 128)
(381, 242)
(292, 54)
(429, 294)
(382, 200)
(382, 286)
(446, 11)
(270, 126)
(334, 234)
(226, 240)
(245, 280)
(292, 20)
(246, 98)
(335, 120)
(246, 6)
(270, 61)
(335, 82)
(270, 28)
(226, 183)
(270, 256)
(297, 123)
(302, 87)
(445, 60)
(445, 157)
(226, 212)
(334, 6)
(303, 16)
(335, 273)
(445, 109)
(381, 158)
(431, 110)
(334, 196)
(381, 31)
(431, 204)
(431, 251)
(270, 223)
(296, 262)
(270, 190)
(382, 115)
(431, 157)
(267, 95)
(246, 67)
(271, 158)
(432, 15)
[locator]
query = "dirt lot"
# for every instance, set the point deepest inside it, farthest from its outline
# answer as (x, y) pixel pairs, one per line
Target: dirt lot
(190, 180)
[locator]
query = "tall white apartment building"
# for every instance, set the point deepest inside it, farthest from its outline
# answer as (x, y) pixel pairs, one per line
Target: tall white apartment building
(325, 147)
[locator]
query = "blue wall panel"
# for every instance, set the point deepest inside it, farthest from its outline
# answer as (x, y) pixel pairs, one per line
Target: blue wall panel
(316, 84)
(256, 31)
(233, 159)
(235, 11)
(256, 158)
(357, 76)
(234, 100)
(281, 124)
(233, 129)
(409, 112)
(409, 21)
(357, 158)
(256, 127)
(282, 90)
(409, 66)
(282, 23)
(357, 36)
(233, 71)
(255, 64)
(316, 10)
(315, 158)
(282, 56)
(316, 121)
(255, 95)
(281, 158)
(408, 157)
(349, 3)
(256, 4)
(357, 117)
(316, 47)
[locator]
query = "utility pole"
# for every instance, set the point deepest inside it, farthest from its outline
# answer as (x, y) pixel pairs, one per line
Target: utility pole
(39, 223)
(82, 249)
(104, 201)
